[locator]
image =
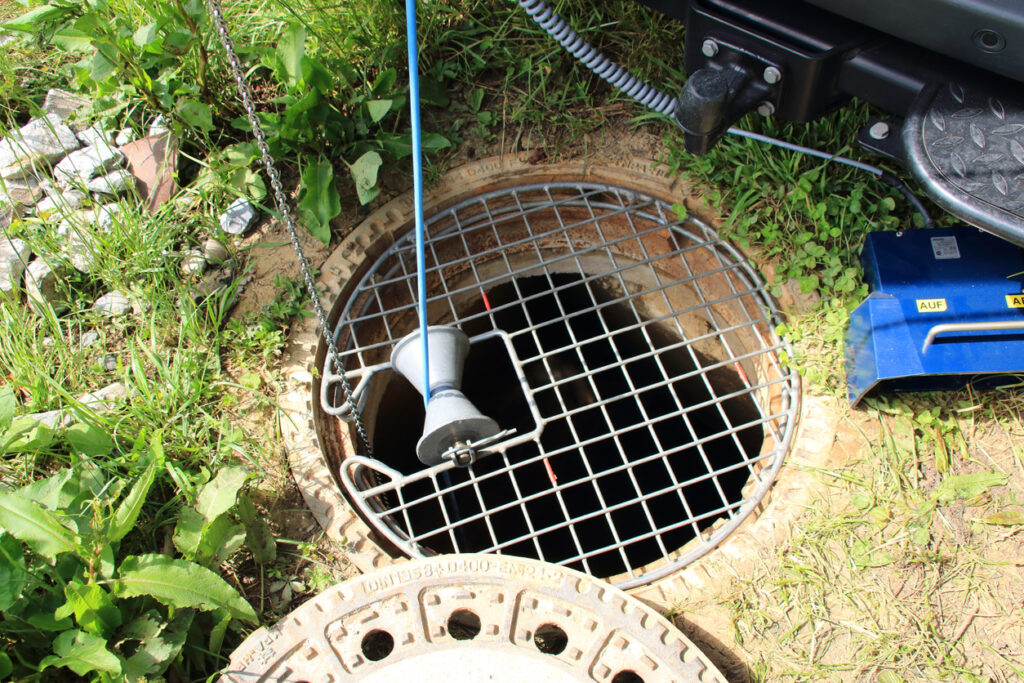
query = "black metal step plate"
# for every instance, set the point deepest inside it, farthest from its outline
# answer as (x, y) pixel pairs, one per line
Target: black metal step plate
(966, 147)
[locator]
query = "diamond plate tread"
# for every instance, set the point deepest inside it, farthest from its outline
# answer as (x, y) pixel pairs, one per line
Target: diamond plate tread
(471, 617)
(966, 146)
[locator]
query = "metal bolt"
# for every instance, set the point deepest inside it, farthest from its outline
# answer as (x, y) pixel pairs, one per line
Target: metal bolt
(772, 75)
(879, 131)
(766, 109)
(709, 48)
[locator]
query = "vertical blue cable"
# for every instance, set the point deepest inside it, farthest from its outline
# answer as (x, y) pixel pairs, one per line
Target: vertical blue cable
(417, 186)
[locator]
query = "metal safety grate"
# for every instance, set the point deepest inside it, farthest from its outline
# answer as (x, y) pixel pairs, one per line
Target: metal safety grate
(632, 351)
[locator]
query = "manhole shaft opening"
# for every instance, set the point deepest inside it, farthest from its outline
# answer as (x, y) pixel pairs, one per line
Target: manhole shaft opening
(633, 352)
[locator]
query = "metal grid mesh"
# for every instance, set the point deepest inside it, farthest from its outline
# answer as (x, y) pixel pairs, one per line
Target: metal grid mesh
(633, 352)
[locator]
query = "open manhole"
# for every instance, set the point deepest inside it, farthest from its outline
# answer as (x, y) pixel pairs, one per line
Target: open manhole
(632, 350)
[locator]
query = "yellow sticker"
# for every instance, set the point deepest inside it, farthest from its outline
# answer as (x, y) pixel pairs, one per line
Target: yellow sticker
(1015, 300)
(931, 305)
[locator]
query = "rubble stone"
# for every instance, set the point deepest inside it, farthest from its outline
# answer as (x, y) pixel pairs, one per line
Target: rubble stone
(41, 286)
(47, 137)
(22, 191)
(63, 103)
(80, 166)
(112, 304)
(64, 203)
(14, 256)
(238, 217)
(115, 183)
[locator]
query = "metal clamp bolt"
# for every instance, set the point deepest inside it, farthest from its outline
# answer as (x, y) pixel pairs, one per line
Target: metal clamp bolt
(879, 131)
(709, 48)
(772, 75)
(766, 109)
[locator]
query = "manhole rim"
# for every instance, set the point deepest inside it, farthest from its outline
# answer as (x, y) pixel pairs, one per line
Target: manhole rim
(309, 464)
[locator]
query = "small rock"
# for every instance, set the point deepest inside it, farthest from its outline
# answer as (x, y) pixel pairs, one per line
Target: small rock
(21, 191)
(14, 256)
(89, 338)
(47, 137)
(79, 166)
(124, 136)
(103, 399)
(115, 183)
(110, 362)
(112, 304)
(48, 342)
(41, 286)
(214, 251)
(238, 217)
(63, 203)
(194, 263)
(158, 128)
(95, 135)
(52, 418)
(7, 215)
(63, 103)
(107, 215)
(29, 166)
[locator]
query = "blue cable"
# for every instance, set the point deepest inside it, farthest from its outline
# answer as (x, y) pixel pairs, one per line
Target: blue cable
(417, 191)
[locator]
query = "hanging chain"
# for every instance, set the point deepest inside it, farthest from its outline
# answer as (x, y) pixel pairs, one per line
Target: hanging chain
(283, 208)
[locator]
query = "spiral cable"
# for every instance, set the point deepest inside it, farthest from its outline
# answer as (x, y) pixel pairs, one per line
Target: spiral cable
(593, 59)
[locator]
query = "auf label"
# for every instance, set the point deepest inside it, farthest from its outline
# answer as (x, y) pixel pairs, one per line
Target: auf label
(931, 305)
(1015, 300)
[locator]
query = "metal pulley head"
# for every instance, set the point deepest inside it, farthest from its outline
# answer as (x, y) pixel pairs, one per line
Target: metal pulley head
(471, 618)
(453, 428)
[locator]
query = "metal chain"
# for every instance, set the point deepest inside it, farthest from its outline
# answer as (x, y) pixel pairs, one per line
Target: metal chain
(283, 208)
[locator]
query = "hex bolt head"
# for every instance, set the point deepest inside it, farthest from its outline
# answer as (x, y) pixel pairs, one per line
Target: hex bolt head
(766, 109)
(709, 48)
(879, 131)
(772, 75)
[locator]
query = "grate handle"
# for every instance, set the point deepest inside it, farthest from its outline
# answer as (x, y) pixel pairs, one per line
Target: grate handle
(989, 325)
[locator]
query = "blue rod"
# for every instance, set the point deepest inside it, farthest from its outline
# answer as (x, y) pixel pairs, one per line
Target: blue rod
(417, 186)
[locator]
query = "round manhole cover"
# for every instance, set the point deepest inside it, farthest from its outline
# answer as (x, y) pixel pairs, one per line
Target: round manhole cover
(471, 618)
(631, 349)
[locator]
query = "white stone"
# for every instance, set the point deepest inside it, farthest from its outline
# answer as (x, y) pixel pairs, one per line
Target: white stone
(158, 127)
(63, 103)
(107, 215)
(80, 253)
(95, 135)
(23, 191)
(238, 217)
(14, 256)
(124, 136)
(89, 338)
(110, 362)
(63, 203)
(112, 304)
(214, 251)
(47, 137)
(41, 286)
(29, 166)
(115, 183)
(80, 166)
(194, 263)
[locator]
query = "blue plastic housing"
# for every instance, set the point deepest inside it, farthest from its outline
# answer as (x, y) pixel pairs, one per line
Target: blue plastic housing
(920, 279)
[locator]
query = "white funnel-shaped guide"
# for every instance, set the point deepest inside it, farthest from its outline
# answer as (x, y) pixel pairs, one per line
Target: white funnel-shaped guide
(451, 418)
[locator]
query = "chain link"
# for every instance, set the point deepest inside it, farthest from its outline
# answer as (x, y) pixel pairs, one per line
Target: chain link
(283, 208)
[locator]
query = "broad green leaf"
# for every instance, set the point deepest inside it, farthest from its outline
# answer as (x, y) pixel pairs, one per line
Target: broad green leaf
(128, 511)
(89, 439)
(188, 532)
(218, 632)
(83, 653)
(13, 576)
(195, 114)
(93, 608)
(291, 49)
(364, 173)
(378, 109)
(319, 202)
(219, 495)
(180, 583)
(6, 667)
(385, 81)
(258, 538)
(101, 67)
(73, 40)
(46, 621)
(967, 486)
(30, 21)
(7, 405)
(159, 643)
(26, 435)
(433, 142)
(145, 35)
(1005, 518)
(35, 525)
(220, 539)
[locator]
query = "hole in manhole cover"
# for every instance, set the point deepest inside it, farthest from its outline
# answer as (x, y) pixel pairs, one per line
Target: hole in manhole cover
(633, 352)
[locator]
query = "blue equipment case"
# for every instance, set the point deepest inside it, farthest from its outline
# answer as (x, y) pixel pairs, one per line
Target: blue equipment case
(945, 309)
